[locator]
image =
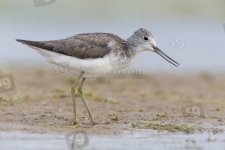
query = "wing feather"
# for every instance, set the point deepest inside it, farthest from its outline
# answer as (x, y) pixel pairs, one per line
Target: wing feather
(81, 46)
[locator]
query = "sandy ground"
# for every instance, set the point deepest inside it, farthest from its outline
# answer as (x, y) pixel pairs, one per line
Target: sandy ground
(41, 101)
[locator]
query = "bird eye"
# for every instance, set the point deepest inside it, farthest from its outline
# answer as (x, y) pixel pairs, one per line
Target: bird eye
(146, 38)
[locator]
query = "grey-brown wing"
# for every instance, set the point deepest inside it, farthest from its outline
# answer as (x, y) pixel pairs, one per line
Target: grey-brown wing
(80, 46)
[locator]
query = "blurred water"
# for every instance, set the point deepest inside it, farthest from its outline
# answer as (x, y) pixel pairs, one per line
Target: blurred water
(197, 46)
(190, 32)
(138, 140)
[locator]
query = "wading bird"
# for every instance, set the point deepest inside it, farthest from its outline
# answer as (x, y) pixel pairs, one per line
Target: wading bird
(90, 52)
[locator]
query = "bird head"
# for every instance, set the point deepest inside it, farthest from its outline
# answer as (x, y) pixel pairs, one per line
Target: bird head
(143, 40)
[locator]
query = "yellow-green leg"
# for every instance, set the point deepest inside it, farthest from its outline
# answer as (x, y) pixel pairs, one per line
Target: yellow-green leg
(83, 99)
(73, 88)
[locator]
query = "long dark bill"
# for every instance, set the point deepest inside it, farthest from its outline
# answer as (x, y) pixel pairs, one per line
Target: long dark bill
(170, 60)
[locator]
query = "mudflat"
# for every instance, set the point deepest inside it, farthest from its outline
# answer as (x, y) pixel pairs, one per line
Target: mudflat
(41, 102)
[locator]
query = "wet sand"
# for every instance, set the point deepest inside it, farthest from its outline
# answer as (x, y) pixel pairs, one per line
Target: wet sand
(41, 103)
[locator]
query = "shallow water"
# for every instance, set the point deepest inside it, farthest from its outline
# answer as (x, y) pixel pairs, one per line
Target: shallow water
(132, 141)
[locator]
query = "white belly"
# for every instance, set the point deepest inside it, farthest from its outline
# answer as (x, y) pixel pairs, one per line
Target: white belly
(90, 67)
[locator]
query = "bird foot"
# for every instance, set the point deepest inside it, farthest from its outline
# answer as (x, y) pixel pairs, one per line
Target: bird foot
(93, 122)
(75, 122)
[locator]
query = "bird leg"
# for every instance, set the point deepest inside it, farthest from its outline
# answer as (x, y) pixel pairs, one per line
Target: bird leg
(83, 99)
(73, 88)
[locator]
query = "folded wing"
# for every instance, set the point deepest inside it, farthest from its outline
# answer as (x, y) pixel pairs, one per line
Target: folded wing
(80, 46)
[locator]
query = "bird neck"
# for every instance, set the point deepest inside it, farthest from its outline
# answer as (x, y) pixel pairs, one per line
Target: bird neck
(134, 46)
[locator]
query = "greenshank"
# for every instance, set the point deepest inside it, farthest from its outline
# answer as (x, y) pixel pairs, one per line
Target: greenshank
(93, 54)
